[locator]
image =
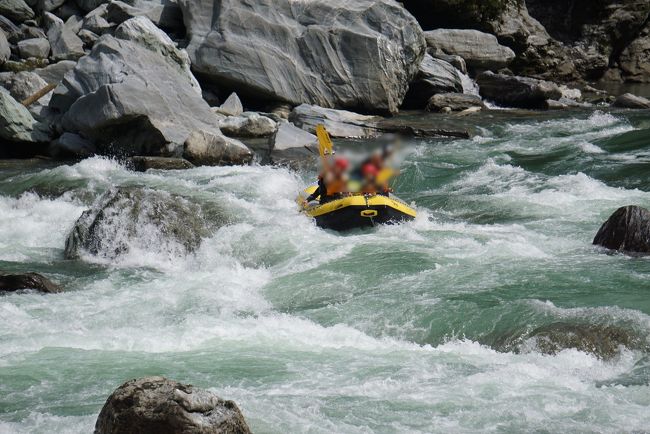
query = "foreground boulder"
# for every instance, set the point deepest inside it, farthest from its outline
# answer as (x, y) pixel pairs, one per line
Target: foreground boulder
(434, 76)
(628, 100)
(627, 230)
(134, 96)
(131, 219)
(514, 91)
(332, 53)
(35, 281)
(339, 123)
(156, 405)
(479, 50)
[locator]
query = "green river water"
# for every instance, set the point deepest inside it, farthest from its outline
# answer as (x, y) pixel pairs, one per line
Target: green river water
(429, 326)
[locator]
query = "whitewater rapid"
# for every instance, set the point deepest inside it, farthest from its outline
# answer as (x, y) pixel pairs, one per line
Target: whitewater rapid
(397, 329)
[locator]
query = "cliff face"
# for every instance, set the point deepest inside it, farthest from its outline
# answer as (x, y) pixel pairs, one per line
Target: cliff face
(558, 39)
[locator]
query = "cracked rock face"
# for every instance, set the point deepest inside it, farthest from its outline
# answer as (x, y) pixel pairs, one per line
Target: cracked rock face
(331, 53)
(156, 405)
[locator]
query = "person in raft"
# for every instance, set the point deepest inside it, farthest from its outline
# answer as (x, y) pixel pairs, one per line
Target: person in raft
(333, 182)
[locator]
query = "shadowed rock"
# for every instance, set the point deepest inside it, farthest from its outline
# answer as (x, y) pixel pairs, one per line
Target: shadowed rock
(514, 91)
(627, 230)
(434, 76)
(35, 281)
(156, 405)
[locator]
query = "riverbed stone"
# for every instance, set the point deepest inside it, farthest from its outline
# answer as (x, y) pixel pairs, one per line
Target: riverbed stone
(515, 91)
(157, 405)
(34, 281)
(206, 149)
(332, 53)
(627, 230)
(628, 100)
(35, 47)
(64, 42)
(24, 84)
(54, 73)
(5, 48)
(339, 123)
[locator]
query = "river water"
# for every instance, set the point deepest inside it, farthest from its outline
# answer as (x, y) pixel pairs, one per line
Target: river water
(436, 325)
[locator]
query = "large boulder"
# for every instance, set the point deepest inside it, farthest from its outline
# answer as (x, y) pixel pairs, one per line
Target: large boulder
(206, 149)
(35, 281)
(64, 42)
(156, 405)
(480, 50)
(514, 91)
(248, 124)
(34, 47)
(434, 76)
(331, 53)
(627, 230)
(134, 96)
(454, 102)
(628, 100)
(17, 124)
(339, 123)
(16, 10)
(290, 143)
(131, 219)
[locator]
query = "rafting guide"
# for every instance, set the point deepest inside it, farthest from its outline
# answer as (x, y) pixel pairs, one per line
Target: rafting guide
(341, 200)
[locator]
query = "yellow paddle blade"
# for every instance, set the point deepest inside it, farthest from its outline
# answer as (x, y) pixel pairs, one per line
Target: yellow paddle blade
(385, 175)
(325, 146)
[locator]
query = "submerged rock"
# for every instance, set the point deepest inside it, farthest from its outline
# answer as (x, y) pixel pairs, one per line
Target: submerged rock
(628, 100)
(339, 123)
(332, 53)
(479, 50)
(141, 219)
(35, 281)
(156, 405)
(627, 230)
(514, 91)
(142, 164)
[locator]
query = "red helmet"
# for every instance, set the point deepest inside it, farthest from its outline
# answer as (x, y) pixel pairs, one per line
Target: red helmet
(369, 169)
(342, 163)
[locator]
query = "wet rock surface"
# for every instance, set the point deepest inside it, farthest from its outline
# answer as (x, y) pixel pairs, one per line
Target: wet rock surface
(35, 281)
(156, 405)
(627, 230)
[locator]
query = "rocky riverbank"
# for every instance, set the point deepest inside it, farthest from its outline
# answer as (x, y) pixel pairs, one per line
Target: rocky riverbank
(192, 80)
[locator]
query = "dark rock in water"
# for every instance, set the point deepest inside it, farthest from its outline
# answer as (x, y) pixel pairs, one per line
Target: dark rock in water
(156, 405)
(434, 76)
(628, 100)
(455, 101)
(71, 145)
(479, 50)
(15, 282)
(627, 230)
(332, 53)
(516, 91)
(142, 164)
(130, 218)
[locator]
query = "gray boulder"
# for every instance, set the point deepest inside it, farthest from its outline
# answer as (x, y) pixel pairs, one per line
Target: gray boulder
(53, 74)
(331, 53)
(454, 101)
(339, 123)
(627, 230)
(514, 91)
(63, 38)
(134, 97)
(628, 100)
(35, 47)
(207, 149)
(140, 219)
(16, 10)
(48, 5)
(142, 163)
(22, 85)
(434, 76)
(291, 143)
(88, 38)
(5, 49)
(232, 106)
(71, 145)
(17, 124)
(165, 14)
(97, 24)
(35, 281)
(31, 32)
(248, 124)
(156, 405)
(480, 50)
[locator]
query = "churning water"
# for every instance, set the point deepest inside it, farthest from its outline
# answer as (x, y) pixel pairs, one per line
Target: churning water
(490, 312)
